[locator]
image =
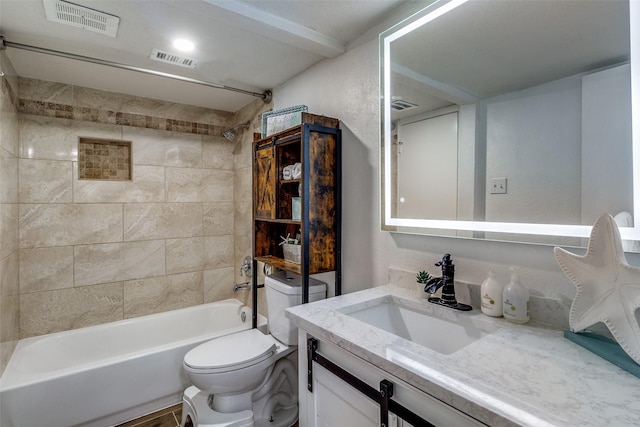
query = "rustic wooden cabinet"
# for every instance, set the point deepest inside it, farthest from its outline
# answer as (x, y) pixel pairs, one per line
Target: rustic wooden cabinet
(316, 145)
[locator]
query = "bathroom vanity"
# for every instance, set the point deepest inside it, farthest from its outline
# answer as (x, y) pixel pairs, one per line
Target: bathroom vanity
(451, 368)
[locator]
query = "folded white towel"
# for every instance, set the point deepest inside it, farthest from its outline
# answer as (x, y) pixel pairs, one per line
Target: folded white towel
(287, 172)
(296, 171)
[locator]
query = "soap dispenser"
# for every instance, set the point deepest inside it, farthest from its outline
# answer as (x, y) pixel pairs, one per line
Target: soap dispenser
(491, 296)
(515, 306)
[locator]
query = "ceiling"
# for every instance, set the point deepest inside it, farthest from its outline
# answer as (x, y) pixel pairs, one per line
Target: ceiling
(483, 49)
(253, 45)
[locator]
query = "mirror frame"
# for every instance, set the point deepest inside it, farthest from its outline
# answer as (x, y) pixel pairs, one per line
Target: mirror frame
(390, 223)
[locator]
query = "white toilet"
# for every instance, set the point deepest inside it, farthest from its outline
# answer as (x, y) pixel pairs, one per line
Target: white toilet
(246, 379)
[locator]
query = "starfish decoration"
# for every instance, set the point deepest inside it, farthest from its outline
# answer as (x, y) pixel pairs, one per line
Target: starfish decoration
(608, 287)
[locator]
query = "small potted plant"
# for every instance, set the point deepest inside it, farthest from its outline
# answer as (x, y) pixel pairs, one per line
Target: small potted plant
(422, 278)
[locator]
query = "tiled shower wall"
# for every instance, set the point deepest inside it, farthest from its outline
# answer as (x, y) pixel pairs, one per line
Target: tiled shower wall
(9, 288)
(97, 251)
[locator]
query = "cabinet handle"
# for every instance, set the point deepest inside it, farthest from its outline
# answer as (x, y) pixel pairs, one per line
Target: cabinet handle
(386, 391)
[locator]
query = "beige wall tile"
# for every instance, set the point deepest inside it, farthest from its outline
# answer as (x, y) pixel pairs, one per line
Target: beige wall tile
(10, 318)
(45, 269)
(57, 139)
(218, 285)
(8, 229)
(217, 152)
(41, 90)
(217, 218)
(184, 255)
(159, 294)
(9, 259)
(69, 224)
(9, 72)
(75, 269)
(6, 350)
(9, 129)
(242, 248)
(65, 309)
(9, 299)
(8, 177)
(9, 275)
(93, 98)
(242, 185)
(45, 181)
(182, 190)
(147, 185)
(118, 261)
(199, 185)
(111, 101)
(243, 149)
(218, 251)
(242, 218)
(162, 220)
(192, 113)
(161, 148)
(243, 230)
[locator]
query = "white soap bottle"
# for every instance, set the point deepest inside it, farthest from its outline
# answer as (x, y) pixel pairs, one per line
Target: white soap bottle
(491, 296)
(515, 297)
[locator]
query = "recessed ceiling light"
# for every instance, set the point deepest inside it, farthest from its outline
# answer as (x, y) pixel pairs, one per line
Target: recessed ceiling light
(183, 45)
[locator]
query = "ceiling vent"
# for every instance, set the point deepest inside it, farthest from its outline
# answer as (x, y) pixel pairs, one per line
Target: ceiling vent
(172, 58)
(400, 105)
(81, 17)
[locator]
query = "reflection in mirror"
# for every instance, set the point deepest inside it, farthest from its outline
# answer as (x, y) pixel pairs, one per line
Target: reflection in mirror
(509, 120)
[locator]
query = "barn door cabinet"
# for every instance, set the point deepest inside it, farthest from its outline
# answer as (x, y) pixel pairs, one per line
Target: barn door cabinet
(335, 399)
(315, 144)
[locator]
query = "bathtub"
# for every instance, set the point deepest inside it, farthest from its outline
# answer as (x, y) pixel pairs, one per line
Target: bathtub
(111, 373)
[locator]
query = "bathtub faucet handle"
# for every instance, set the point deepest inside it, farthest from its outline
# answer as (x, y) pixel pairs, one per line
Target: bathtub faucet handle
(247, 267)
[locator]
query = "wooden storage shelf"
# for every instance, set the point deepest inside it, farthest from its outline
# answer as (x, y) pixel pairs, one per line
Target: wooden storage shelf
(316, 145)
(281, 264)
(281, 221)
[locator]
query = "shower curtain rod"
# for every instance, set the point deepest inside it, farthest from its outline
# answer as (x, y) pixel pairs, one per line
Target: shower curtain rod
(265, 96)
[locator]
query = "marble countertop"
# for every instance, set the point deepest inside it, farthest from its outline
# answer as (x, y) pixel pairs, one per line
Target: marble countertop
(523, 375)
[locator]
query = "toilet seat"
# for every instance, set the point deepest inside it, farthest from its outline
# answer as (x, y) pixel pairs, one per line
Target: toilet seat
(230, 352)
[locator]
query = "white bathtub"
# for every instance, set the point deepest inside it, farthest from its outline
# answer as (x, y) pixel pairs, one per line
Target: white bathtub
(108, 374)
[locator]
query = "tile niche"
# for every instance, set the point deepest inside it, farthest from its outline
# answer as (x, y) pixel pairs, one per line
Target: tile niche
(104, 159)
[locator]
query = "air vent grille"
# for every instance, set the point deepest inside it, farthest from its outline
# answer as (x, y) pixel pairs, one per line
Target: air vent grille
(172, 58)
(400, 105)
(81, 17)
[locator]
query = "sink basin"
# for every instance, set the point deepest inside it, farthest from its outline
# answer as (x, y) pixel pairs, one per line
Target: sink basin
(444, 332)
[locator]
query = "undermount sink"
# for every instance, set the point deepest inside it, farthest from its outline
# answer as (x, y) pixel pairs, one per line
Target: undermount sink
(440, 331)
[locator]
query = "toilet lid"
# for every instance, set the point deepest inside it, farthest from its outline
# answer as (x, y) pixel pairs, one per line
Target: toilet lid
(229, 352)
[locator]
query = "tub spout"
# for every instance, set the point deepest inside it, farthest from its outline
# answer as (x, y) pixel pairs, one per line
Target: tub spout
(242, 286)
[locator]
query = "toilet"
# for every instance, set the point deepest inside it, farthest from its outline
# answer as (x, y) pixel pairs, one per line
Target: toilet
(250, 378)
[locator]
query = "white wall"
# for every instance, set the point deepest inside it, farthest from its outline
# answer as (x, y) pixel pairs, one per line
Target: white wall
(607, 167)
(347, 88)
(428, 167)
(534, 140)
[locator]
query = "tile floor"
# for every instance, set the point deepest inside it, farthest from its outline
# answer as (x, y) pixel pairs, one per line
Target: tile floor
(168, 417)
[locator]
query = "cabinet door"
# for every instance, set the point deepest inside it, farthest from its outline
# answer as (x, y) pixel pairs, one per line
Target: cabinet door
(337, 404)
(265, 183)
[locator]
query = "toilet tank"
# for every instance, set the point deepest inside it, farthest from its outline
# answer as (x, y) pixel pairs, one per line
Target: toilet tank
(284, 290)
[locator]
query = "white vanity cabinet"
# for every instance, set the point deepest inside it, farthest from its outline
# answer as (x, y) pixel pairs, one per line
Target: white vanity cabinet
(335, 403)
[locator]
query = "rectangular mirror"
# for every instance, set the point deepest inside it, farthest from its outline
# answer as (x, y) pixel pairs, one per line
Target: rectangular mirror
(511, 120)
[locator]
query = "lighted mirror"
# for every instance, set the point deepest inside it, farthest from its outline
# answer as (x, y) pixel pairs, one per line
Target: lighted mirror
(511, 120)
